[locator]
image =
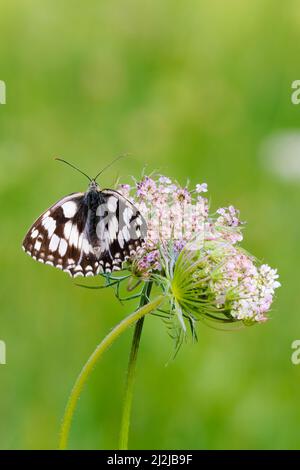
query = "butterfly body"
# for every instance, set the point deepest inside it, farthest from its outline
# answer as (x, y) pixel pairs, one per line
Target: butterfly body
(85, 234)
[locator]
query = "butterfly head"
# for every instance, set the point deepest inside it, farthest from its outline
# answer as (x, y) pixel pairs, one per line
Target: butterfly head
(93, 186)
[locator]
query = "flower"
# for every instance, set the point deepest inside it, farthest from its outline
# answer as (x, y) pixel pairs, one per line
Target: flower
(182, 195)
(146, 187)
(196, 259)
(164, 180)
(229, 216)
(201, 188)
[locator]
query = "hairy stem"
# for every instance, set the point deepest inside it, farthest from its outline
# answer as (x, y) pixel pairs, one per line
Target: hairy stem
(128, 396)
(91, 362)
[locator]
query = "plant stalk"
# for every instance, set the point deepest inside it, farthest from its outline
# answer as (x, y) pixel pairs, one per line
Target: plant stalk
(130, 378)
(93, 359)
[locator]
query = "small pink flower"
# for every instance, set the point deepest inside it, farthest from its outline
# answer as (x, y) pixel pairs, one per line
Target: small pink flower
(182, 195)
(164, 180)
(146, 188)
(201, 188)
(228, 216)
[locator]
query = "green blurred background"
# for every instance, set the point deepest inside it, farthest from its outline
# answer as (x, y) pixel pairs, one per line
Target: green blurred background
(194, 89)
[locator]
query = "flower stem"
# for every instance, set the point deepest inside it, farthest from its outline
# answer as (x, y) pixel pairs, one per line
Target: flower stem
(91, 362)
(128, 397)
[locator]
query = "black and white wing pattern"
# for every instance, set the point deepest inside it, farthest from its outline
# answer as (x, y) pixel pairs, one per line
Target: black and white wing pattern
(118, 231)
(85, 234)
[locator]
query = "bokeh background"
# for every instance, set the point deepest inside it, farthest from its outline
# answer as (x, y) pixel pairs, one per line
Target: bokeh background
(198, 90)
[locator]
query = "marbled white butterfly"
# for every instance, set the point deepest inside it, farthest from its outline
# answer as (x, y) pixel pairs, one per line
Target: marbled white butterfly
(85, 234)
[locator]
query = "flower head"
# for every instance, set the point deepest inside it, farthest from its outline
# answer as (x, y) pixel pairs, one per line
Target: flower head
(196, 259)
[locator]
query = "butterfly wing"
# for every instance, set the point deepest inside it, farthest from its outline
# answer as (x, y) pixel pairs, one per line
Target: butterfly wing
(58, 237)
(84, 240)
(121, 229)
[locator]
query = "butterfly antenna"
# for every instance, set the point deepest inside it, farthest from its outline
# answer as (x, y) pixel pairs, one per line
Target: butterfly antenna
(73, 166)
(109, 165)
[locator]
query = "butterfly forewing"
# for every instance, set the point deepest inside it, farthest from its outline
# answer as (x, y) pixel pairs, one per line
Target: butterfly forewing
(87, 233)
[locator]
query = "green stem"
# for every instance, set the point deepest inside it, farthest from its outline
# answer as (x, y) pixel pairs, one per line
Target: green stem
(91, 362)
(128, 396)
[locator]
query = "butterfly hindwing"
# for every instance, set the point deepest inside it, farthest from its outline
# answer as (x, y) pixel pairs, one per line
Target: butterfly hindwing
(121, 229)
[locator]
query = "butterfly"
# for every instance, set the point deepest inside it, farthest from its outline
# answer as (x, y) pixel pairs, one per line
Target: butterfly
(85, 234)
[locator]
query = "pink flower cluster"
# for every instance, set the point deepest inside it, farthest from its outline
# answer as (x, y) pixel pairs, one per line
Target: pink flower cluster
(175, 213)
(177, 218)
(239, 284)
(172, 213)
